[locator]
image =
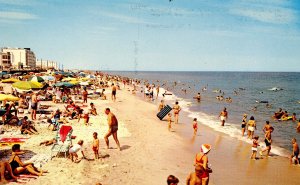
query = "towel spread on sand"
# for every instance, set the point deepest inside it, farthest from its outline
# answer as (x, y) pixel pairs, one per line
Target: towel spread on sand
(63, 132)
(39, 160)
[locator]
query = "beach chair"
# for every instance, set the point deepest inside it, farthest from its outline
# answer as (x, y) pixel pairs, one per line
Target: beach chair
(64, 141)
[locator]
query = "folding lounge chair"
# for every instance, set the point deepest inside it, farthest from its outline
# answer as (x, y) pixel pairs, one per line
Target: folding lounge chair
(64, 141)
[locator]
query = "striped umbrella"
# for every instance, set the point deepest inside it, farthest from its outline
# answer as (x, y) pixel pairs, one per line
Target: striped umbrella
(36, 79)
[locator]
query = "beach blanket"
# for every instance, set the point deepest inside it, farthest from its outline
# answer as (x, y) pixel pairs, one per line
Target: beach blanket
(63, 132)
(11, 140)
(39, 160)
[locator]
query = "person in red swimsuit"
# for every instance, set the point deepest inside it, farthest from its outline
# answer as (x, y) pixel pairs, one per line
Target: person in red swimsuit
(202, 160)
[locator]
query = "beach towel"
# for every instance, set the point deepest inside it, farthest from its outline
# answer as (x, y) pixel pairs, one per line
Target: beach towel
(11, 140)
(39, 160)
(63, 132)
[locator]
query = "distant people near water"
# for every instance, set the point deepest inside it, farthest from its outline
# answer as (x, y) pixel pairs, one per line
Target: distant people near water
(268, 129)
(112, 128)
(251, 126)
(161, 105)
(198, 97)
(169, 118)
(294, 118)
(223, 116)
(278, 114)
(176, 109)
(113, 92)
(254, 147)
(202, 160)
(298, 126)
(244, 123)
(195, 126)
(172, 180)
(194, 178)
(294, 159)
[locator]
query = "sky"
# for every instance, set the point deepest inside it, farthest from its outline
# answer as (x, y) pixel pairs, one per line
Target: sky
(157, 35)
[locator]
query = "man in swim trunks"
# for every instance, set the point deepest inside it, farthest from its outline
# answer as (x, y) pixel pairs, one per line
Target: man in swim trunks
(223, 116)
(112, 128)
(295, 153)
(34, 104)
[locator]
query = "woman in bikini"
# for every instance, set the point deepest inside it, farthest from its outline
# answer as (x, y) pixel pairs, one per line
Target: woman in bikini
(251, 127)
(202, 160)
(176, 109)
(18, 167)
(244, 123)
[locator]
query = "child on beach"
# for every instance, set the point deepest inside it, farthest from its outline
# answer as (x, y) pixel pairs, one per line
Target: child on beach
(195, 126)
(74, 149)
(254, 147)
(294, 157)
(172, 180)
(195, 177)
(96, 145)
(169, 121)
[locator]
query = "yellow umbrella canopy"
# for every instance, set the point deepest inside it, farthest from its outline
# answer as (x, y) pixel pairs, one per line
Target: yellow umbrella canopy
(75, 82)
(10, 80)
(27, 85)
(68, 79)
(8, 97)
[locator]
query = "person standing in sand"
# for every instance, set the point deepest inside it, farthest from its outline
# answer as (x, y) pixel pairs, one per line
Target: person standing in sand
(254, 148)
(195, 126)
(96, 145)
(223, 116)
(112, 128)
(251, 125)
(113, 92)
(34, 105)
(157, 91)
(169, 118)
(84, 95)
(176, 110)
(295, 152)
(202, 160)
(161, 105)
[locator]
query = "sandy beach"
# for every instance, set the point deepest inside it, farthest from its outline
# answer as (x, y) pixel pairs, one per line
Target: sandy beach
(150, 152)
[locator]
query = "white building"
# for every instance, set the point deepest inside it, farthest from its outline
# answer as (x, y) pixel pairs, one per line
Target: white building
(21, 57)
(5, 60)
(46, 64)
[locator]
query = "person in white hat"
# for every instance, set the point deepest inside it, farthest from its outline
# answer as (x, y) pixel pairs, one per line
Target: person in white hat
(202, 160)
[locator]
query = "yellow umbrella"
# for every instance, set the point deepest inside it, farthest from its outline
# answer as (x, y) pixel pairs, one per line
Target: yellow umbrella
(10, 80)
(74, 82)
(8, 97)
(27, 85)
(68, 79)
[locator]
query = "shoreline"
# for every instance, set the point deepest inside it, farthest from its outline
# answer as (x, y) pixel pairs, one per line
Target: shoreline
(150, 152)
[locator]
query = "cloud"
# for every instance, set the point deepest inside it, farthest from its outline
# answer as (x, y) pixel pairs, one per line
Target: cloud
(16, 15)
(275, 12)
(123, 18)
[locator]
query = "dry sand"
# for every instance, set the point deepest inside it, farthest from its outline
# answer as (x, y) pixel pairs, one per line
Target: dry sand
(150, 152)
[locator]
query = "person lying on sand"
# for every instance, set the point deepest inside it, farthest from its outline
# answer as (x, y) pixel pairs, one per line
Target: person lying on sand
(48, 142)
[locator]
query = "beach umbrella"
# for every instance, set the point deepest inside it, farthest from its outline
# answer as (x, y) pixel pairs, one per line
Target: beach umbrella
(68, 79)
(74, 82)
(90, 76)
(84, 83)
(27, 85)
(48, 78)
(8, 97)
(10, 80)
(61, 84)
(36, 79)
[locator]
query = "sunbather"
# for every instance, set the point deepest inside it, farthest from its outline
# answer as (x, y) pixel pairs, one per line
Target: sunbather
(48, 142)
(18, 167)
(27, 127)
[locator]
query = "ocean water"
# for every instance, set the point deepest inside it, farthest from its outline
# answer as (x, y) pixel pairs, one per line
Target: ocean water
(250, 87)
